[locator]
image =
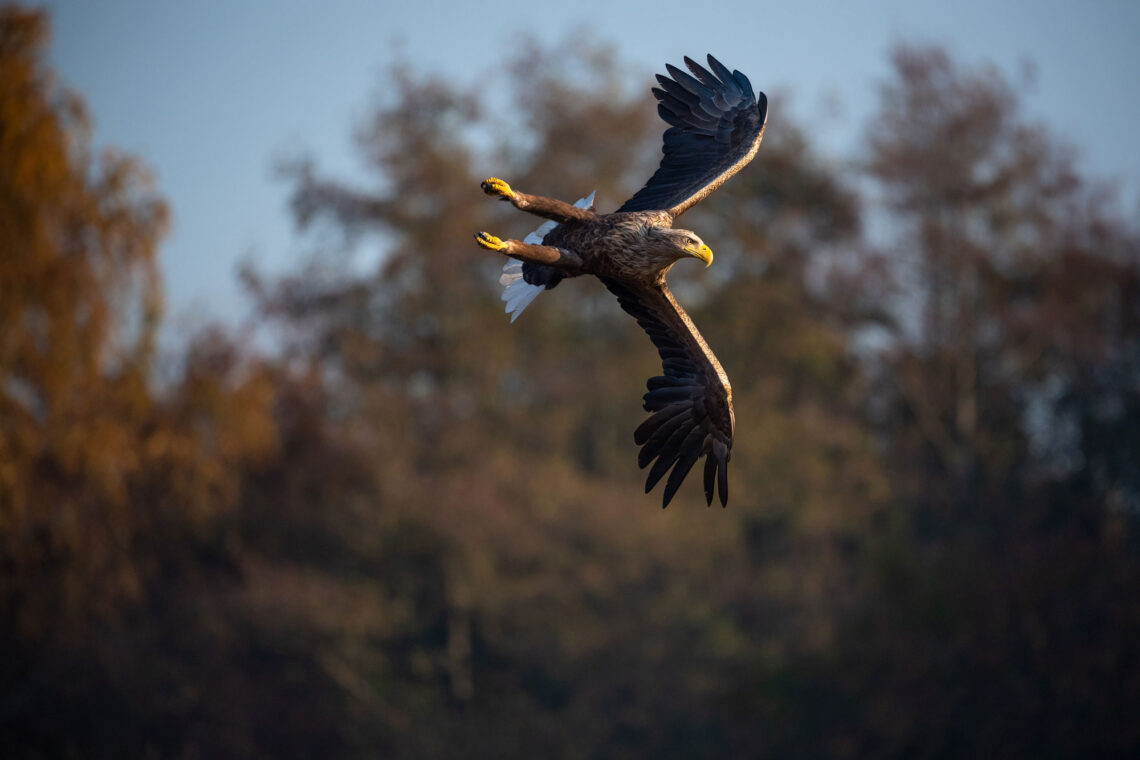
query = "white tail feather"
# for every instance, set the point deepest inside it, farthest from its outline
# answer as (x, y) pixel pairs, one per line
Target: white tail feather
(517, 292)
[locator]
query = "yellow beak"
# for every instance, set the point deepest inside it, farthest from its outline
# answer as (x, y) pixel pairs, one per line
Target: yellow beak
(704, 253)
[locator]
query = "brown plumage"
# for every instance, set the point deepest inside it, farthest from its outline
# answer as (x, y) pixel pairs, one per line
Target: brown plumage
(716, 124)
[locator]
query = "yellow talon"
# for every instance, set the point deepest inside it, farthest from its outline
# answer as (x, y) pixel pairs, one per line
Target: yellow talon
(490, 242)
(497, 187)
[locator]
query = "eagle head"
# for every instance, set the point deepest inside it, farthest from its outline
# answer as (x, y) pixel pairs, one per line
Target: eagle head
(673, 245)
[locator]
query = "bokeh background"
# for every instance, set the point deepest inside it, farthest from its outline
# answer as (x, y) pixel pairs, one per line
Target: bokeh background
(277, 479)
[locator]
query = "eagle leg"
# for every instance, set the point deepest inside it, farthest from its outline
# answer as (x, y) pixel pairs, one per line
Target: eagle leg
(497, 188)
(548, 255)
(490, 242)
(547, 208)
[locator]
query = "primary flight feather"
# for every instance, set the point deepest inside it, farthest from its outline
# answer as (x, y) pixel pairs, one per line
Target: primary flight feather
(716, 124)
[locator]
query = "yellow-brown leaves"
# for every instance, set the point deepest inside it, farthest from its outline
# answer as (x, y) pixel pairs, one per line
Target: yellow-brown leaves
(92, 459)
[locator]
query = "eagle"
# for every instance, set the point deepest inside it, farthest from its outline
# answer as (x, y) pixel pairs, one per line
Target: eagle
(715, 123)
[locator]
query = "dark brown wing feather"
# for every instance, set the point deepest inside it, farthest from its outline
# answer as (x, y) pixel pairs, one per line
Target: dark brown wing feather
(690, 405)
(716, 126)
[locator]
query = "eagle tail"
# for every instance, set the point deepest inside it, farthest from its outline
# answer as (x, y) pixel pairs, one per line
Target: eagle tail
(517, 292)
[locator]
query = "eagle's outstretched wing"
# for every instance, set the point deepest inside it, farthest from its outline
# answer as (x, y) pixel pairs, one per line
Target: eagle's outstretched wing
(690, 405)
(716, 126)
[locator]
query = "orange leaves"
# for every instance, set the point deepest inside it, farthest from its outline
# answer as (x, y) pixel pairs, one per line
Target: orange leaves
(96, 463)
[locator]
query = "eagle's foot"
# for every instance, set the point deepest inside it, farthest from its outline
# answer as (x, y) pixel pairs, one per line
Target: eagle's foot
(497, 188)
(490, 242)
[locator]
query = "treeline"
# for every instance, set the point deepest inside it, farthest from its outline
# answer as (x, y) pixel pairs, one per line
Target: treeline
(413, 530)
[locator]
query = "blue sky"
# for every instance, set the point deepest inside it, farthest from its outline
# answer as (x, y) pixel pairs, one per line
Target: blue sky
(212, 94)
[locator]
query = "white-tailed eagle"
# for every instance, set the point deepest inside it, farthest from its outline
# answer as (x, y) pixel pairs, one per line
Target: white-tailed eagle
(715, 126)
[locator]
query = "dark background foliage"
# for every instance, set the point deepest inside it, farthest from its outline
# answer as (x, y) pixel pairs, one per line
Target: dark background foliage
(410, 529)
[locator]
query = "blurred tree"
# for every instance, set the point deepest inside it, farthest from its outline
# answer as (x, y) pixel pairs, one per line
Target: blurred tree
(108, 490)
(411, 533)
(78, 309)
(1006, 400)
(1001, 251)
(506, 517)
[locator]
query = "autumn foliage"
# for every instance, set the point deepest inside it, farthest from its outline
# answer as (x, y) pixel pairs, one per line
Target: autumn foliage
(410, 529)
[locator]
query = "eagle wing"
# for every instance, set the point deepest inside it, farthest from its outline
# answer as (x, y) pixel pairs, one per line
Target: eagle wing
(690, 405)
(716, 126)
